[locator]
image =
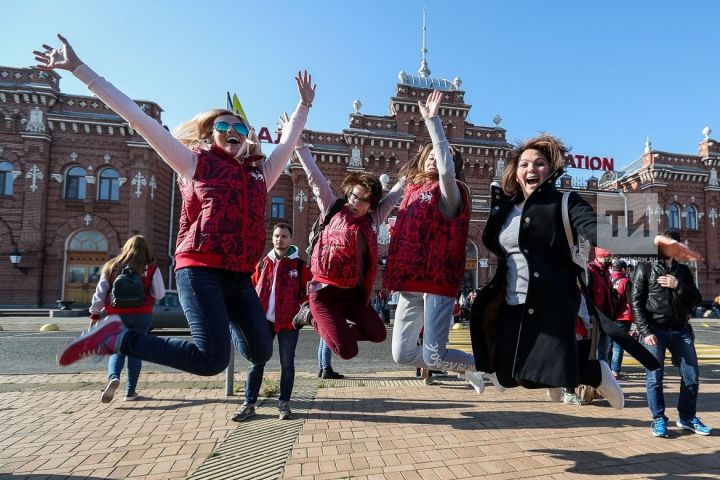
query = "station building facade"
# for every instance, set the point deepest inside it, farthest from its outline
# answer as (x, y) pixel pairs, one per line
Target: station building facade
(76, 181)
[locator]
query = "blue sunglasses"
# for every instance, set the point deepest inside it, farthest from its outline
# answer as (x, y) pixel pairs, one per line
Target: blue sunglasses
(224, 127)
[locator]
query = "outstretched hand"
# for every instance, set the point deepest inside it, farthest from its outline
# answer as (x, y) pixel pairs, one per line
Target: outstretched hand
(283, 125)
(431, 106)
(305, 87)
(674, 249)
(63, 58)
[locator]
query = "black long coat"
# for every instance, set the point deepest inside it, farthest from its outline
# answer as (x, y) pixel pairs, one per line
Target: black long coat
(545, 349)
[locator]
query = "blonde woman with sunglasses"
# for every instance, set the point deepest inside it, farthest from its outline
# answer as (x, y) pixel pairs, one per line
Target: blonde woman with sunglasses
(222, 227)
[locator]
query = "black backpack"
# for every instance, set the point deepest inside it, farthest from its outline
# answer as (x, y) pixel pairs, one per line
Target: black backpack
(322, 222)
(128, 290)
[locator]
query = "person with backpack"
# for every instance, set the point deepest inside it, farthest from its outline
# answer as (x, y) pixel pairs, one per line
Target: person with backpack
(280, 280)
(621, 294)
(129, 285)
(224, 181)
(344, 258)
(426, 257)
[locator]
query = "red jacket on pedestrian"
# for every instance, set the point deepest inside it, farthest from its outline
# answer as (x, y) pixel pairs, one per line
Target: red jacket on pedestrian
(287, 278)
(622, 285)
(599, 283)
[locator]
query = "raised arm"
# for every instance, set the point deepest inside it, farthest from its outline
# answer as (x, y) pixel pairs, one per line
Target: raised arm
(174, 153)
(388, 202)
(449, 190)
(318, 183)
(291, 130)
(616, 238)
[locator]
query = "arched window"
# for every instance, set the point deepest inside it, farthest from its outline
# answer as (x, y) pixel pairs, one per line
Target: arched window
(88, 241)
(75, 184)
(6, 178)
(691, 218)
(673, 213)
(108, 185)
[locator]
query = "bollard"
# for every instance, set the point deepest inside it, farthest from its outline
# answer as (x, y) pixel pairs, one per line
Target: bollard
(230, 374)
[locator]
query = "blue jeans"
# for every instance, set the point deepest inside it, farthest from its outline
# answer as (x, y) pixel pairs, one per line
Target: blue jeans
(603, 346)
(140, 322)
(287, 341)
(682, 349)
(617, 351)
(324, 356)
(212, 300)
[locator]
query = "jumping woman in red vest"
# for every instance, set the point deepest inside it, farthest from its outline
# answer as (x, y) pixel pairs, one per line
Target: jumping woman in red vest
(426, 259)
(345, 258)
(222, 227)
(135, 254)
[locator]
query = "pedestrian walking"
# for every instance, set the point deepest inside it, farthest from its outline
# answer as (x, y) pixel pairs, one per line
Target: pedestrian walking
(133, 301)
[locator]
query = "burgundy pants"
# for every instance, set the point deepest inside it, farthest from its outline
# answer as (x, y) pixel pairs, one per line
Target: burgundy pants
(342, 318)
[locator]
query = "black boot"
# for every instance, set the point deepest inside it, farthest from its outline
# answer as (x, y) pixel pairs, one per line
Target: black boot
(330, 374)
(320, 373)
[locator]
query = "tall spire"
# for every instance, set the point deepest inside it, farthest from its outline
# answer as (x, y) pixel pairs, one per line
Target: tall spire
(424, 70)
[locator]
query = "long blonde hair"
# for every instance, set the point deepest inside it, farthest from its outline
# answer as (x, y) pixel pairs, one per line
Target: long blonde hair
(197, 132)
(135, 254)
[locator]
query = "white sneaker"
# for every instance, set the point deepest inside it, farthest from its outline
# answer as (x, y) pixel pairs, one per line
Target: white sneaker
(476, 380)
(555, 394)
(496, 383)
(573, 399)
(109, 392)
(609, 388)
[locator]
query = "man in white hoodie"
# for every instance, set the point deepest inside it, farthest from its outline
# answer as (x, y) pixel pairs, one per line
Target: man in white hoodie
(280, 280)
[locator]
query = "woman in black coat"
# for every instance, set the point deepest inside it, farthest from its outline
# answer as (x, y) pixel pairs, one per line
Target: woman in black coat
(523, 321)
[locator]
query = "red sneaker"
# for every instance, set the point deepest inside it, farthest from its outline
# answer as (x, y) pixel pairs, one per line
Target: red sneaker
(98, 341)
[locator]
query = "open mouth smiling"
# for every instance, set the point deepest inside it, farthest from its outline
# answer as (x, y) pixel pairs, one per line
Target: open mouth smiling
(232, 140)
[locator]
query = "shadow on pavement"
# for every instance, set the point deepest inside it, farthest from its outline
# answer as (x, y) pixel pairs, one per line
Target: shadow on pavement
(658, 466)
(385, 410)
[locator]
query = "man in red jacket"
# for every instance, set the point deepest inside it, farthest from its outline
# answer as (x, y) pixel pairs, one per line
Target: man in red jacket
(599, 285)
(280, 280)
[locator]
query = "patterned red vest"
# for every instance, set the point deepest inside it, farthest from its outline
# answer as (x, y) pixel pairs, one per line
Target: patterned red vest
(335, 257)
(427, 249)
(222, 223)
(147, 307)
(289, 289)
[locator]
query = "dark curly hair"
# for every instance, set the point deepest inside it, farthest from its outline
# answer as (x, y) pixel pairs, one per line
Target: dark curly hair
(552, 148)
(370, 182)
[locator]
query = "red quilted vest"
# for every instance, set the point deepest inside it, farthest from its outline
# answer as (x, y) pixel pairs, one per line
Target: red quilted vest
(222, 223)
(427, 249)
(335, 257)
(288, 291)
(147, 307)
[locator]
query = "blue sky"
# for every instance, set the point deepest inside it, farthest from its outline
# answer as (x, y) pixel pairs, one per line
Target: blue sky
(601, 75)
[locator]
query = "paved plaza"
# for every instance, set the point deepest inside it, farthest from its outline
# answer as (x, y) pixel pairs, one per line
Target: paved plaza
(379, 426)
